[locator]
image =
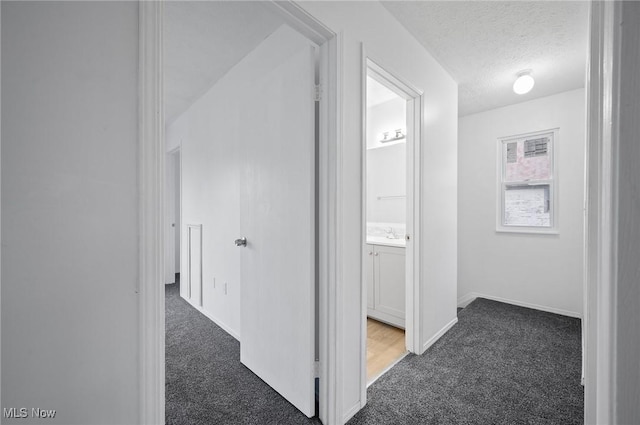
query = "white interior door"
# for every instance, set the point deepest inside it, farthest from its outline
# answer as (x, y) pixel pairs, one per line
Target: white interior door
(170, 220)
(277, 219)
(177, 208)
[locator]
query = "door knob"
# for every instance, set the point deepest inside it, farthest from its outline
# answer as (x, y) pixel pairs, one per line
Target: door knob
(241, 242)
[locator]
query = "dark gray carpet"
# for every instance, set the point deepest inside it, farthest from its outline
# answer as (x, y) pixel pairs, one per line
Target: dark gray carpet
(205, 381)
(500, 364)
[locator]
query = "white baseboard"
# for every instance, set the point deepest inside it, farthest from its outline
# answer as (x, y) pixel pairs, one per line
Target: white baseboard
(215, 320)
(466, 299)
(438, 335)
(352, 411)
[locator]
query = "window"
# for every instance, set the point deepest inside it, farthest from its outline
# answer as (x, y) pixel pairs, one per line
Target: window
(527, 183)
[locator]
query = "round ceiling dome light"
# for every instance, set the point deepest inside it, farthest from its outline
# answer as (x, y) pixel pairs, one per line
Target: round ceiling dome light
(524, 83)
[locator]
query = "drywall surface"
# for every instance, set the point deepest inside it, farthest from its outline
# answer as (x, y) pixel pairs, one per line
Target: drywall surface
(70, 211)
(385, 41)
(387, 184)
(542, 271)
(210, 189)
(628, 315)
(386, 162)
(386, 117)
(175, 133)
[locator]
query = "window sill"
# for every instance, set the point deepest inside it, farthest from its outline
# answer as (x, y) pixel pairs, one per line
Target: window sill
(528, 230)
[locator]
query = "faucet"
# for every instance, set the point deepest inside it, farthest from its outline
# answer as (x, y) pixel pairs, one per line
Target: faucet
(391, 234)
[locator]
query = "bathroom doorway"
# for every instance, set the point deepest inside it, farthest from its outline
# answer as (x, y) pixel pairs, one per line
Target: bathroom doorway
(390, 183)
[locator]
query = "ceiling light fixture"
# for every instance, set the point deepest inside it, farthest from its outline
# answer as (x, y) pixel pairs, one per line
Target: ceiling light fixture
(524, 83)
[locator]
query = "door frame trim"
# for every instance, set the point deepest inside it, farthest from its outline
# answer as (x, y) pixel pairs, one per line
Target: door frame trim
(151, 163)
(415, 101)
(330, 232)
(601, 212)
(151, 168)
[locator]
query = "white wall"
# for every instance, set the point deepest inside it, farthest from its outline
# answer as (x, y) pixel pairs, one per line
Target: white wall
(386, 116)
(70, 210)
(387, 176)
(175, 134)
(386, 162)
(544, 271)
(393, 48)
(210, 196)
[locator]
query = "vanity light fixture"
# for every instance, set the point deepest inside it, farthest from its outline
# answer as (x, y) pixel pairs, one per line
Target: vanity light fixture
(397, 135)
(524, 83)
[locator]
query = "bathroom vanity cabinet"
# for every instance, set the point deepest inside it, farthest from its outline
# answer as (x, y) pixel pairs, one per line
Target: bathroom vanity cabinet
(385, 277)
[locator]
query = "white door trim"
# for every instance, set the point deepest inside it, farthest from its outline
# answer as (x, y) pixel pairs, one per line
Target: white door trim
(414, 96)
(151, 214)
(601, 212)
(151, 186)
(330, 233)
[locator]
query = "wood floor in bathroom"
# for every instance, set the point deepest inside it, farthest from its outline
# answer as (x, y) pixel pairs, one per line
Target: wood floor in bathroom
(385, 345)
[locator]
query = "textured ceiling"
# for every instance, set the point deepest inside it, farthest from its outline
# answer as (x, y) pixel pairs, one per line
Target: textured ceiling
(203, 40)
(484, 44)
(481, 44)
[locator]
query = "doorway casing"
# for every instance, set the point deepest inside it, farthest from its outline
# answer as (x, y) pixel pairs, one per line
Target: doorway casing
(151, 175)
(151, 208)
(371, 67)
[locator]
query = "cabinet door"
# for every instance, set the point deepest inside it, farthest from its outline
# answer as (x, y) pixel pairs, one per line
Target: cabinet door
(368, 275)
(390, 281)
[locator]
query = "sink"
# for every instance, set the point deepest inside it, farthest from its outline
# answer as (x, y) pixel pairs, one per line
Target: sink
(382, 240)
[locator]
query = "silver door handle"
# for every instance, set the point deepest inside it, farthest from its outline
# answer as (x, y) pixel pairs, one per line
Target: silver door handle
(241, 242)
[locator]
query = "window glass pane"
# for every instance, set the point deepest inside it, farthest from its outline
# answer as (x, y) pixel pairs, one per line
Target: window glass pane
(528, 159)
(526, 205)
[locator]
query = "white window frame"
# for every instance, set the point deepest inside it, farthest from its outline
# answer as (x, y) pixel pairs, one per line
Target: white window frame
(552, 182)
